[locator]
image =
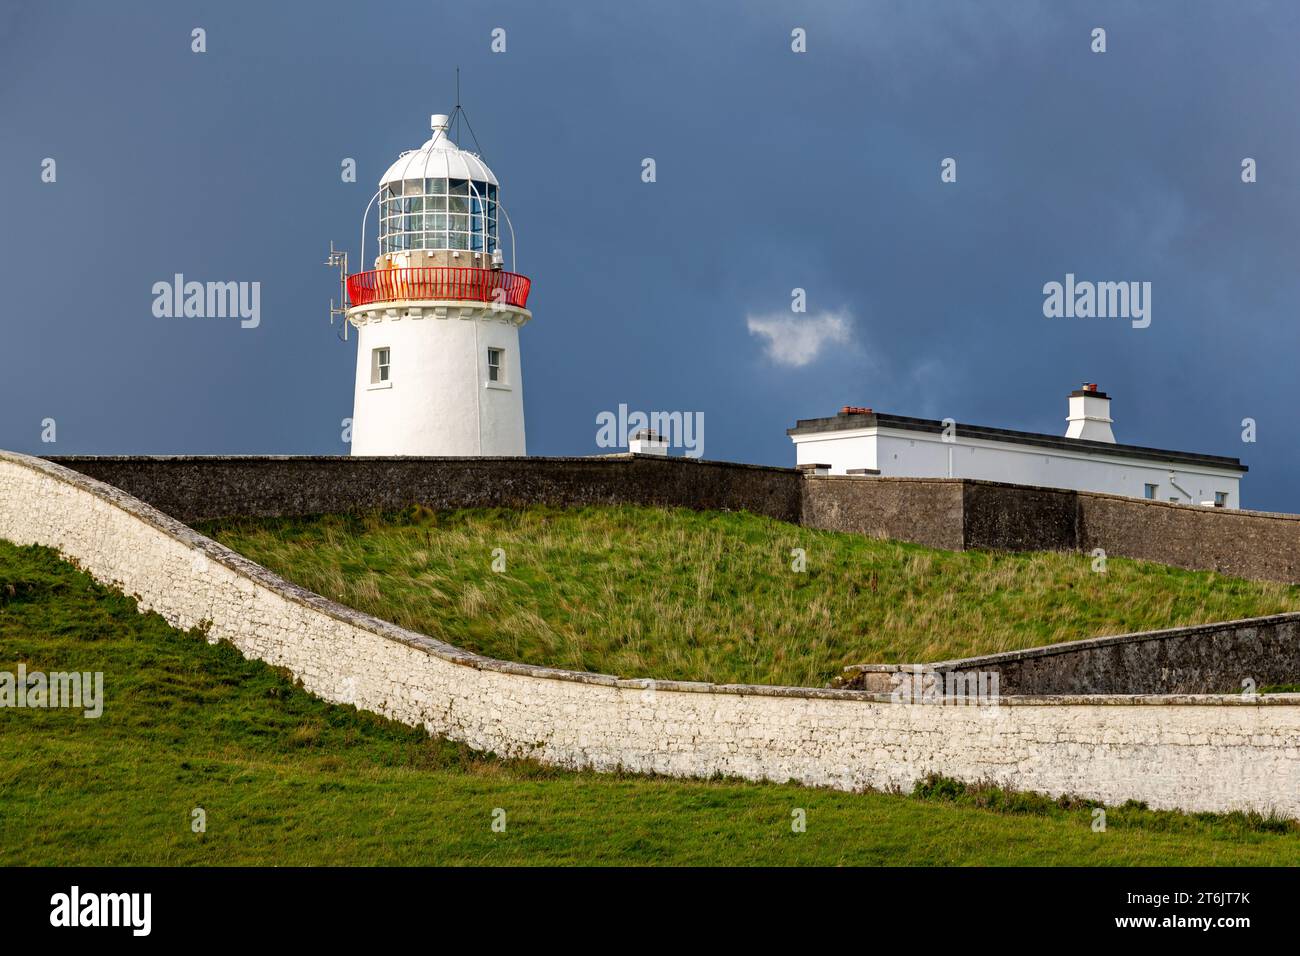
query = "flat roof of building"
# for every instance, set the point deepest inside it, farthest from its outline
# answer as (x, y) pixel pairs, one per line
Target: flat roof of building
(810, 426)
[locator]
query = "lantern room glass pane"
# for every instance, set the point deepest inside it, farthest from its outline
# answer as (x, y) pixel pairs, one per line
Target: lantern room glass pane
(438, 213)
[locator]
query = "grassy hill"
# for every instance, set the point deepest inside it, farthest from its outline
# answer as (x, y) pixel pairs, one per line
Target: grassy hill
(285, 779)
(645, 592)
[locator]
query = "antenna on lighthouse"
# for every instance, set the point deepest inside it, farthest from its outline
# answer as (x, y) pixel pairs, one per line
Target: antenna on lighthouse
(339, 259)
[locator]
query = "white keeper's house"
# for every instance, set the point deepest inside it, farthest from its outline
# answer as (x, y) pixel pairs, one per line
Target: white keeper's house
(860, 441)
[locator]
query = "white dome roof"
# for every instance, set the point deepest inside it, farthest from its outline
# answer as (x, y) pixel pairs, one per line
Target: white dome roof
(439, 158)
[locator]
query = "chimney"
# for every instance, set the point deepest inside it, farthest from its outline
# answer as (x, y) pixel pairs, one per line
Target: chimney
(645, 441)
(1089, 416)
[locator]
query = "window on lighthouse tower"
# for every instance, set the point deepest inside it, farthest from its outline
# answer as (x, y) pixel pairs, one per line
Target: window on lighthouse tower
(379, 362)
(494, 362)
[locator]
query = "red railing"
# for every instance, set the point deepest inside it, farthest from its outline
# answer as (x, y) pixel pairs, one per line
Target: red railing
(439, 282)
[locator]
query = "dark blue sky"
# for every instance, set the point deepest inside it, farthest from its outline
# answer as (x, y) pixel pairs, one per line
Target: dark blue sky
(775, 170)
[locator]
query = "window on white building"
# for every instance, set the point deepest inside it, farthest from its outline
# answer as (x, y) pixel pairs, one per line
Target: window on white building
(379, 364)
(1150, 491)
(495, 361)
(1220, 499)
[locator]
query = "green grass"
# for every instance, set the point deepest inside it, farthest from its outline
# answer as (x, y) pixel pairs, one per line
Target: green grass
(286, 779)
(644, 592)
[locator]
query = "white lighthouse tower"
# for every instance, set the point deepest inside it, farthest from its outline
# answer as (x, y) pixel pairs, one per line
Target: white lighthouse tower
(438, 318)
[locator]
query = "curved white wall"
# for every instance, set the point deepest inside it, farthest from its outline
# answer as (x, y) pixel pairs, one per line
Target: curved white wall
(1193, 753)
(438, 399)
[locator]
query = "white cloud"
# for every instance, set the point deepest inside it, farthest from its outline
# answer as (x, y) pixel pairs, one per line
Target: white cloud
(796, 340)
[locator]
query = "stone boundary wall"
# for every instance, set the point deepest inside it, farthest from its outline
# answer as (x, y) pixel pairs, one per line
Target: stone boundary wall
(962, 514)
(924, 511)
(1205, 659)
(198, 488)
(951, 513)
(1245, 544)
(1197, 753)
(1019, 517)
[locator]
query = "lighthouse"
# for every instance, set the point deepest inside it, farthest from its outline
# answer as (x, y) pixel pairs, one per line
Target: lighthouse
(438, 317)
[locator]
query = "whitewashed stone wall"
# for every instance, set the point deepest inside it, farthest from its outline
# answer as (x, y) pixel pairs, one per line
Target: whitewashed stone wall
(1192, 753)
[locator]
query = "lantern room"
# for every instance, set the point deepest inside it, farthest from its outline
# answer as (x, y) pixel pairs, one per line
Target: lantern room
(441, 203)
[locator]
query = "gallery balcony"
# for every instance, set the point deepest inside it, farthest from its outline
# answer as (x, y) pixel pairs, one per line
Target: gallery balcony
(438, 283)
